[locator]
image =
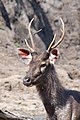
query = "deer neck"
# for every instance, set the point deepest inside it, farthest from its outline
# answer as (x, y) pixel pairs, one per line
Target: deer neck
(51, 91)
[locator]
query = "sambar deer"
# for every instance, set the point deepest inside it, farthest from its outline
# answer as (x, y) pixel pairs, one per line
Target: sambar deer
(59, 103)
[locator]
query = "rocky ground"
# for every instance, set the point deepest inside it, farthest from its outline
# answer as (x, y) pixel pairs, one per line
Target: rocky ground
(14, 19)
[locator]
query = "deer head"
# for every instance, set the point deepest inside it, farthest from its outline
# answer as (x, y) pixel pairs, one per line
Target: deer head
(39, 64)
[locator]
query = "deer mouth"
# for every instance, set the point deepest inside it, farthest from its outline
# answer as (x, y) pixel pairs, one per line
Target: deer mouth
(30, 82)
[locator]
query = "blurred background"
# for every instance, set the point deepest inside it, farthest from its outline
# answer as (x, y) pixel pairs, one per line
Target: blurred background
(15, 16)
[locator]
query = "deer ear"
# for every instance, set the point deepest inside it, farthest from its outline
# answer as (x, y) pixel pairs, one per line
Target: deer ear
(24, 55)
(54, 55)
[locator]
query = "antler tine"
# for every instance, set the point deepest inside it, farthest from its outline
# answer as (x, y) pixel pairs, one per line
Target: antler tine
(60, 40)
(38, 31)
(49, 48)
(28, 46)
(30, 34)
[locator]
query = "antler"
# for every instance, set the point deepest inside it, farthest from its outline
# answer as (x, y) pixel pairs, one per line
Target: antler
(29, 46)
(32, 41)
(29, 28)
(52, 45)
(30, 34)
(49, 48)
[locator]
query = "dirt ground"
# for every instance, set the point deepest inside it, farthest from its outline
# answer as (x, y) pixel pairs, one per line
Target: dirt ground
(14, 96)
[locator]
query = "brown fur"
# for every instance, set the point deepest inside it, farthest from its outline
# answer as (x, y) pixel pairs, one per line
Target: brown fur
(60, 104)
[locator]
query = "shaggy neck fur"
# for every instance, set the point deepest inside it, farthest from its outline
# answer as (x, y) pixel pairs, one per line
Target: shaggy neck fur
(51, 91)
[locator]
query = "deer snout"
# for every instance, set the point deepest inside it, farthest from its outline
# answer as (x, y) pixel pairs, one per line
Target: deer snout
(27, 81)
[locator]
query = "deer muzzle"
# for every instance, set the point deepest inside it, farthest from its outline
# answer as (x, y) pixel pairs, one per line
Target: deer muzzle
(27, 81)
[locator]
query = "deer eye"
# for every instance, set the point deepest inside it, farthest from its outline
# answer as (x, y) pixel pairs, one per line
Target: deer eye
(43, 66)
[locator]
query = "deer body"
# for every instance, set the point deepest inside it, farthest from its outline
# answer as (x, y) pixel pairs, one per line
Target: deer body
(59, 103)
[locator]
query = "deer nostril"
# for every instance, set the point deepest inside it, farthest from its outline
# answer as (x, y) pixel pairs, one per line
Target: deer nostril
(27, 81)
